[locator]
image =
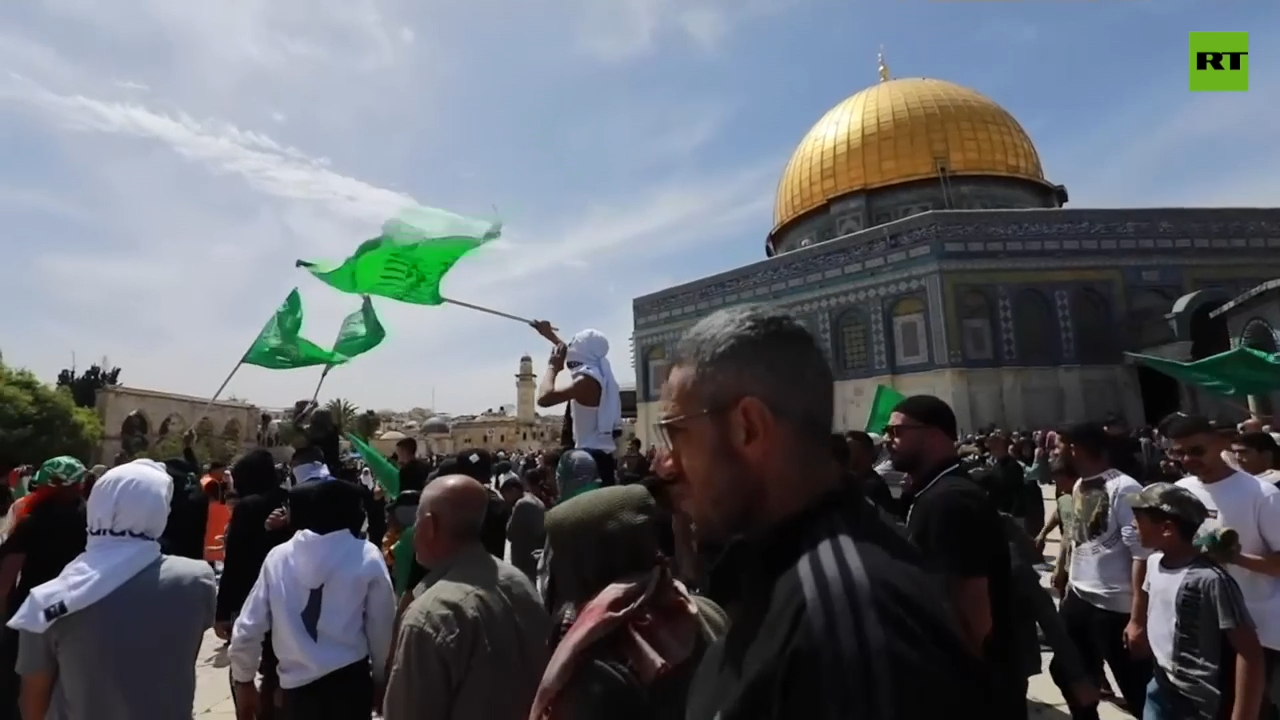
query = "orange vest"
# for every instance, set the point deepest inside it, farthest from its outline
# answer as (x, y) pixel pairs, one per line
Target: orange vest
(216, 525)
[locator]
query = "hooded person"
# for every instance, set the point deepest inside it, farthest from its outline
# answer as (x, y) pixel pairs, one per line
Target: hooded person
(48, 531)
(627, 636)
(119, 629)
(246, 543)
(308, 465)
(595, 428)
(593, 415)
(186, 534)
(325, 596)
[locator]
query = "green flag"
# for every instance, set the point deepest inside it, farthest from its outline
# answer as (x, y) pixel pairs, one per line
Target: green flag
(361, 332)
(409, 259)
(882, 405)
(1235, 373)
(281, 347)
(387, 475)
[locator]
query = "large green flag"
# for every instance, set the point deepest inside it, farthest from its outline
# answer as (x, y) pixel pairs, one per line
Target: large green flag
(280, 345)
(409, 259)
(1238, 372)
(882, 405)
(361, 332)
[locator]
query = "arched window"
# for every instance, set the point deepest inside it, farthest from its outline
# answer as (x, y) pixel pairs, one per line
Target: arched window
(910, 336)
(1144, 324)
(172, 425)
(854, 341)
(656, 369)
(1094, 332)
(232, 430)
(975, 325)
(1259, 336)
(1035, 326)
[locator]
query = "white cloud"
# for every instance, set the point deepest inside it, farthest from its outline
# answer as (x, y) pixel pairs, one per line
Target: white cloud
(623, 29)
(200, 220)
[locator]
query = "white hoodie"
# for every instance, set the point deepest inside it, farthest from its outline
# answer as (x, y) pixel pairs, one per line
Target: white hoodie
(356, 609)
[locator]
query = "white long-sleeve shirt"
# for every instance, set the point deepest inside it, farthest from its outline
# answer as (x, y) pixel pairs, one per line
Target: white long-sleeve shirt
(327, 601)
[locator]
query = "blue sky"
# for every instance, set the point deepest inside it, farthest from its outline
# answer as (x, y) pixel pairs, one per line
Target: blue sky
(162, 164)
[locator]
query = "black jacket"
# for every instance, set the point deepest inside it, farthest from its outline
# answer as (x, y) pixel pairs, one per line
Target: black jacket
(833, 617)
(246, 546)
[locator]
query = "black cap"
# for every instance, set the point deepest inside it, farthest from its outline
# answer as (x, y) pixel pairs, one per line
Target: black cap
(475, 463)
(929, 411)
(1091, 436)
(1185, 426)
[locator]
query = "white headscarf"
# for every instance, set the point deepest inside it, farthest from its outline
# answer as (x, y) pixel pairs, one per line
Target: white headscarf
(307, 472)
(591, 348)
(127, 512)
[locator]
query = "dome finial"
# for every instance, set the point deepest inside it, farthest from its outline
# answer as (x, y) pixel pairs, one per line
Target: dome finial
(883, 68)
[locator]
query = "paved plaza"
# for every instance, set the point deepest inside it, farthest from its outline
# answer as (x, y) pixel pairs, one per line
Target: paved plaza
(213, 691)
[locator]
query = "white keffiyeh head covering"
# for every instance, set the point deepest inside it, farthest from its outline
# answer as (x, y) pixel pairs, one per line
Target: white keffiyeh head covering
(588, 354)
(127, 512)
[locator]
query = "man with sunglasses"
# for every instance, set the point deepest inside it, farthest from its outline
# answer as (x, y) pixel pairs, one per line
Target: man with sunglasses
(1251, 507)
(831, 614)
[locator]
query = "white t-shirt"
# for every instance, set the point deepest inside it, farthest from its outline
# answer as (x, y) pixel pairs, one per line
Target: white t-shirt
(1161, 587)
(1102, 558)
(1251, 507)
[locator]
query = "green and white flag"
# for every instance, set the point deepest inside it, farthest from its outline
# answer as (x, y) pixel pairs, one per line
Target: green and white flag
(408, 261)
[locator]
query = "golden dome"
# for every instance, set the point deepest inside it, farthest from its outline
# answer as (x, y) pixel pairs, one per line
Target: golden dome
(895, 132)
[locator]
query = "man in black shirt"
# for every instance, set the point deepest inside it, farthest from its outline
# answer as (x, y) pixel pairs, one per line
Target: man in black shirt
(831, 616)
(956, 526)
(413, 471)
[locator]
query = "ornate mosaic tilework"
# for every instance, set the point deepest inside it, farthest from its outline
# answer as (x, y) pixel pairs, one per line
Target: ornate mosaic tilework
(1087, 231)
(1004, 309)
(878, 350)
(937, 318)
(824, 336)
(1063, 302)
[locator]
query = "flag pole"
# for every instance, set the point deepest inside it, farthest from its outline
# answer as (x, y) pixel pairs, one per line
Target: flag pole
(315, 395)
(221, 387)
(491, 311)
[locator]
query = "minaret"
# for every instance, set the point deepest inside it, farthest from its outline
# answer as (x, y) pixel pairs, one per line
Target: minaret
(883, 68)
(526, 389)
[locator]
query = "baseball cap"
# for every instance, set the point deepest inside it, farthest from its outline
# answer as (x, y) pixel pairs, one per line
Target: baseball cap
(929, 411)
(1171, 500)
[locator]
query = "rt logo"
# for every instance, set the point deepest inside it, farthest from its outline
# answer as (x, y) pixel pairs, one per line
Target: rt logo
(1219, 62)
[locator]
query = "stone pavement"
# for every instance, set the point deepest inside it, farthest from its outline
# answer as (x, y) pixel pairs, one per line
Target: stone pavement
(213, 685)
(213, 691)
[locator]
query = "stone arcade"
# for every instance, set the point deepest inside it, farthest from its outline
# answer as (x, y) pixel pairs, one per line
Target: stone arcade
(916, 235)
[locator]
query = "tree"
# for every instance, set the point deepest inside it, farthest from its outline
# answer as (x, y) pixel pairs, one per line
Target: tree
(85, 386)
(343, 414)
(38, 422)
(366, 424)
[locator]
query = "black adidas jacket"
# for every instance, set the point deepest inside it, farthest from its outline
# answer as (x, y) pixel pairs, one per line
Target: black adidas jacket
(833, 617)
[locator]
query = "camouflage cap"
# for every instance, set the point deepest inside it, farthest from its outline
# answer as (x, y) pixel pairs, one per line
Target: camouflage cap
(62, 470)
(1172, 500)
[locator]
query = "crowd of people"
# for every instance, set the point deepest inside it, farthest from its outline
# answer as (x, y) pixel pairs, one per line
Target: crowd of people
(751, 565)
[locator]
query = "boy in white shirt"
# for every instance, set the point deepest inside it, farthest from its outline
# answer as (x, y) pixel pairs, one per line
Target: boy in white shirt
(1208, 662)
(1251, 507)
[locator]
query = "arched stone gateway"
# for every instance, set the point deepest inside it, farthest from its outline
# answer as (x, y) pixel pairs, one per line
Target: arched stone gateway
(128, 420)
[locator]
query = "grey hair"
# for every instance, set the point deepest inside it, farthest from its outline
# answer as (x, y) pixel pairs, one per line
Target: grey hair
(761, 352)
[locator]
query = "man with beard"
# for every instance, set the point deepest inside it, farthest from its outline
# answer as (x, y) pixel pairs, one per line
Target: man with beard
(957, 527)
(1108, 566)
(830, 613)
